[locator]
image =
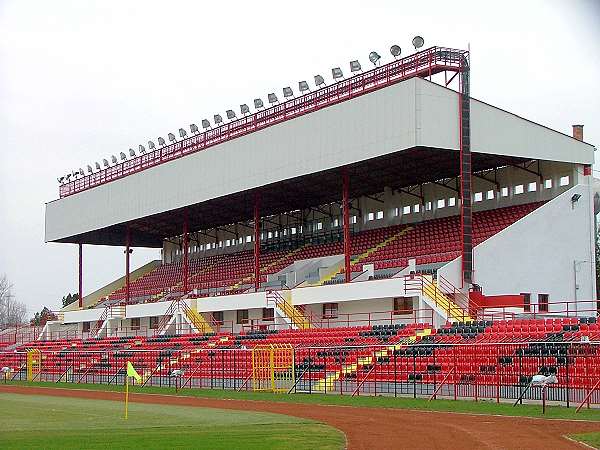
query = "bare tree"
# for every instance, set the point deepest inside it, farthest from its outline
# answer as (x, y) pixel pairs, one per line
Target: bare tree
(12, 312)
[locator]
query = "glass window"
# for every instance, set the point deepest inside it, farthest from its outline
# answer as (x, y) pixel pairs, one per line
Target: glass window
(543, 302)
(489, 195)
(478, 196)
(518, 189)
(452, 201)
(564, 181)
(268, 314)
(532, 187)
(218, 317)
(135, 323)
(441, 203)
(403, 305)
(153, 322)
(379, 215)
(406, 210)
(548, 183)
(526, 301)
(371, 216)
(504, 192)
(417, 208)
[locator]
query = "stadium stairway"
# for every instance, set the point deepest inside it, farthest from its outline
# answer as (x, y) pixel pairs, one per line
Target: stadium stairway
(437, 299)
(281, 302)
(196, 318)
(339, 268)
(351, 370)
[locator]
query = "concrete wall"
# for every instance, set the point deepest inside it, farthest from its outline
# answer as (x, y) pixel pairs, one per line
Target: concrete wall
(540, 253)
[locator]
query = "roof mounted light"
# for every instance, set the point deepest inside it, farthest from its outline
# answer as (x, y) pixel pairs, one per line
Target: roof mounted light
(105, 162)
(395, 50)
(142, 149)
(272, 98)
(194, 128)
(337, 73)
(123, 156)
(182, 133)
(258, 103)
(161, 141)
(89, 169)
(171, 137)
(355, 66)
(218, 119)
(131, 152)
(206, 124)
(287, 92)
(113, 159)
(374, 58)
(230, 114)
(418, 42)
(319, 80)
(244, 109)
(97, 165)
(303, 86)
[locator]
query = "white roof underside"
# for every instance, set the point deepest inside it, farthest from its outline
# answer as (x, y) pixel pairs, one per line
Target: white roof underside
(409, 114)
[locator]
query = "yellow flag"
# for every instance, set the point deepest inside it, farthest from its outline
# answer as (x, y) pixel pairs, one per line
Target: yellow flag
(132, 373)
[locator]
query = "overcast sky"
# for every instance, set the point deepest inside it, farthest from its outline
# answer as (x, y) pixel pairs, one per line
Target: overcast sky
(81, 80)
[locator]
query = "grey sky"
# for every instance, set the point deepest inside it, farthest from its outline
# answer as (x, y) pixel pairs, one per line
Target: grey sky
(81, 80)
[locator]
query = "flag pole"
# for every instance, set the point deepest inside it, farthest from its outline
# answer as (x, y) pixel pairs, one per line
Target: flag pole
(126, 395)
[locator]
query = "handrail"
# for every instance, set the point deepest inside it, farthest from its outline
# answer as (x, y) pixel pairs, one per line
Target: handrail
(424, 63)
(588, 396)
(364, 379)
(441, 384)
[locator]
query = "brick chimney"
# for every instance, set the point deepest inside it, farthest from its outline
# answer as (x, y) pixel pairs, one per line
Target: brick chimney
(578, 132)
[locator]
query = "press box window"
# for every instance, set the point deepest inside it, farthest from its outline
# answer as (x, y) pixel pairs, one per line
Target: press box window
(268, 314)
(218, 317)
(153, 322)
(526, 301)
(403, 305)
(135, 323)
(543, 302)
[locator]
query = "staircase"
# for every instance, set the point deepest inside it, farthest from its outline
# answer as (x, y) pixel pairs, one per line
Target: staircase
(359, 258)
(283, 304)
(327, 383)
(266, 268)
(196, 319)
(454, 306)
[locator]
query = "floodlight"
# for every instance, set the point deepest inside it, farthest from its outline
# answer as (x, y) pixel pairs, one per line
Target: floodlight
(205, 124)
(97, 165)
(142, 149)
(218, 119)
(272, 98)
(355, 66)
(258, 103)
(161, 141)
(336, 73)
(575, 198)
(105, 162)
(113, 159)
(287, 92)
(303, 86)
(374, 58)
(131, 152)
(230, 114)
(194, 128)
(182, 133)
(171, 137)
(244, 109)
(418, 42)
(151, 145)
(123, 156)
(74, 173)
(60, 179)
(319, 80)
(89, 169)
(395, 50)
(68, 177)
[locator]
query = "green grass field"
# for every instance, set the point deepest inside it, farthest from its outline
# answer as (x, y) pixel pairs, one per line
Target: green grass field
(59, 422)
(591, 439)
(457, 406)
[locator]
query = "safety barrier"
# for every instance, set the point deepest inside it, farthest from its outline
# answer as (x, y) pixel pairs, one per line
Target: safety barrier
(501, 372)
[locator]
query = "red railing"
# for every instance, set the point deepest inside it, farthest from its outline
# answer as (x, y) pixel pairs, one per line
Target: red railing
(425, 63)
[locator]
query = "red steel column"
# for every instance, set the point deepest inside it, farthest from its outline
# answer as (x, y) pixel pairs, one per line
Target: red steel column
(185, 266)
(256, 242)
(346, 224)
(127, 253)
(80, 276)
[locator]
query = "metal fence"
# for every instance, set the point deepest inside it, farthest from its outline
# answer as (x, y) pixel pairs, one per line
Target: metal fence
(500, 372)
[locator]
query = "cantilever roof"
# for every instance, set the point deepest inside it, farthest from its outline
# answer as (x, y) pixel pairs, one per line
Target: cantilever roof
(402, 134)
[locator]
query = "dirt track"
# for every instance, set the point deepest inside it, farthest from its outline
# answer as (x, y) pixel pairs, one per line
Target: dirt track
(380, 428)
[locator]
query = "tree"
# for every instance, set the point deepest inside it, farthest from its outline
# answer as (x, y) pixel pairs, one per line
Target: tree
(12, 312)
(69, 298)
(40, 318)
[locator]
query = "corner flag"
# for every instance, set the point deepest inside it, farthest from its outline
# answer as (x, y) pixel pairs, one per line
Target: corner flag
(132, 373)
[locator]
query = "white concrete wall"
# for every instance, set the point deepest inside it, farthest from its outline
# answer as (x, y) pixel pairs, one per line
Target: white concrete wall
(85, 315)
(537, 254)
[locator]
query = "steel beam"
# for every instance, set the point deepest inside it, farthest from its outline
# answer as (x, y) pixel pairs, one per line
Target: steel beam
(256, 242)
(346, 220)
(127, 253)
(80, 276)
(185, 265)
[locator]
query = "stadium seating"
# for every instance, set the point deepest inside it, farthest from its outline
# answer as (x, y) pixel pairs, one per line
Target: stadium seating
(429, 242)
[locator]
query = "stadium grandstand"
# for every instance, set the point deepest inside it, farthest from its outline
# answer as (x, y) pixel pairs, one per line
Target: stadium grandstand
(363, 222)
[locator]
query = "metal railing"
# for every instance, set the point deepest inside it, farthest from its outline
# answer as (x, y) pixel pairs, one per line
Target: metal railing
(498, 371)
(424, 63)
